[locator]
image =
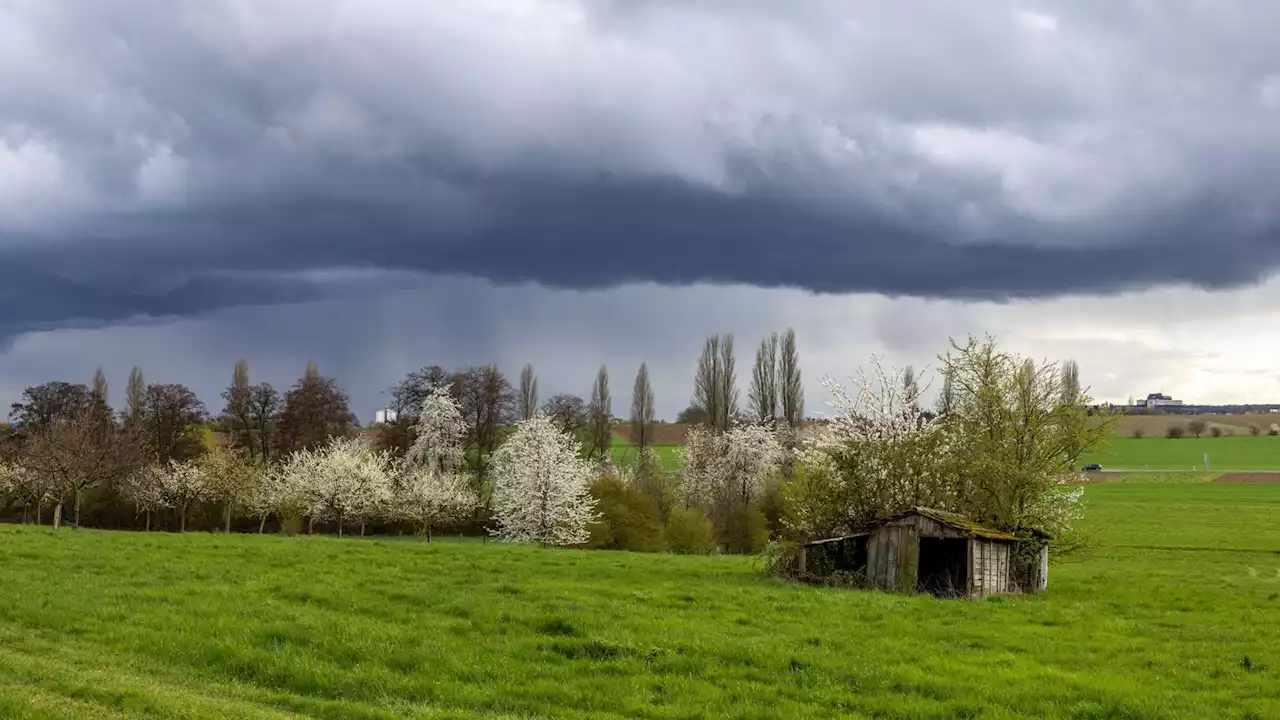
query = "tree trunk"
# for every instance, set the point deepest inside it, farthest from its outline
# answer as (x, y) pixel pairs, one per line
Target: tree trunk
(148, 521)
(77, 508)
(428, 533)
(39, 508)
(262, 524)
(57, 515)
(228, 525)
(311, 521)
(339, 525)
(26, 510)
(361, 528)
(182, 519)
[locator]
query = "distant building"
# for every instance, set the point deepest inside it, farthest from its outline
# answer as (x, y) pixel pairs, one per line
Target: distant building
(385, 415)
(1158, 400)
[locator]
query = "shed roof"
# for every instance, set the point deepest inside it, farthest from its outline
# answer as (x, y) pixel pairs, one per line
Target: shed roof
(955, 522)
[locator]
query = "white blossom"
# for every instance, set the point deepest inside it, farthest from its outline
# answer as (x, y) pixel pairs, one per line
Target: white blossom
(875, 454)
(702, 474)
(230, 477)
(143, 488)
(181, 485)
(880, 409)
(540, 486)
(28, 486)
(343, 481)
(439, 433)
(997, 455)
(1059, 508)
(430, 488)
(737, 462)
(753, 455)
(281, 492)
(428, 497)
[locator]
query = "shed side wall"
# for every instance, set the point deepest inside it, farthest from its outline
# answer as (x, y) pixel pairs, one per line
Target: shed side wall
(992, 565)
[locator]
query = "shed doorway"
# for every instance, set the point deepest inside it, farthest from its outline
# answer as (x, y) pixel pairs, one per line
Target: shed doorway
(943, 566)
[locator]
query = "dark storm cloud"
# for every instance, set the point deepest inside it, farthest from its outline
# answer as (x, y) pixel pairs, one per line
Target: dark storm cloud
(188, 156)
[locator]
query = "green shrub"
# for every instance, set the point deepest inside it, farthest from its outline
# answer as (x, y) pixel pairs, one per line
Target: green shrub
(628, 518)
(660, 486)
(773, 506)
(689, 532)
(741, 528)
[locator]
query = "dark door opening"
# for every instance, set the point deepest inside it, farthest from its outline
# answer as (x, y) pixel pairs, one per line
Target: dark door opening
(845, 555)
(942, 566)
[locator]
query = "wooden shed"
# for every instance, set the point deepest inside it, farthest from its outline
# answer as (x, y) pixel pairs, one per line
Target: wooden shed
(926, 550)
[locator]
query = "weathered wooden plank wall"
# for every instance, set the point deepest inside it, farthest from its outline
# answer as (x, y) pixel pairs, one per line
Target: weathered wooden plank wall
(893, 557)
(908, 559)
(1040, 571)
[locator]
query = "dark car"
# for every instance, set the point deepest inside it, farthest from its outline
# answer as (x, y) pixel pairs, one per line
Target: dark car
(1092, 468)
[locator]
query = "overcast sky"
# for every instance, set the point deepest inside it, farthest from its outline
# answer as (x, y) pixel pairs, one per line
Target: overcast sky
(382, 184)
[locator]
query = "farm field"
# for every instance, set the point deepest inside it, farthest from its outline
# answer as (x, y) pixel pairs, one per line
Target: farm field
(1171, 614)
(1227, 453)
(1155, 426)
(625, 452)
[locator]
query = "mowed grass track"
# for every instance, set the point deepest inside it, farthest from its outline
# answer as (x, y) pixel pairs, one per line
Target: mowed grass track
(1156, 622)
(1227, 453)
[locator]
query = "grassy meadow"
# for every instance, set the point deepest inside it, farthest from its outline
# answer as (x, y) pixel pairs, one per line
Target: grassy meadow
(1226, 453)
(1171, 613)
(625, 452)
(1235, 451)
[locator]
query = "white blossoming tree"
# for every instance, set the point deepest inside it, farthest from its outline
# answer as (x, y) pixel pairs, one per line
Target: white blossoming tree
(142, 487)
(430, 487)
(281, 493)
(753, 455)
(181, 486)
(1001, 454)
(878, 454)
(30, 488)
(540, 486)
(701, 477)
(231, 478)
(428, 498)
(343, 481)
(439, 434)
(885, 452)
(737, 463)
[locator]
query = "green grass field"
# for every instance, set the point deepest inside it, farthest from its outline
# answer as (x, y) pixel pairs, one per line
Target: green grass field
(1231, 453)
(625, 452)
(1182, 584)
(1236, 453)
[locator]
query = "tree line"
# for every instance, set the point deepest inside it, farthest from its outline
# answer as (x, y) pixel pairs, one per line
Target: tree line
(469, 451)
(129, 466)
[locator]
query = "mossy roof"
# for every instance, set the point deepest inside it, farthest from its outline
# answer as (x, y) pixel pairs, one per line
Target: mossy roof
(964, 525)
